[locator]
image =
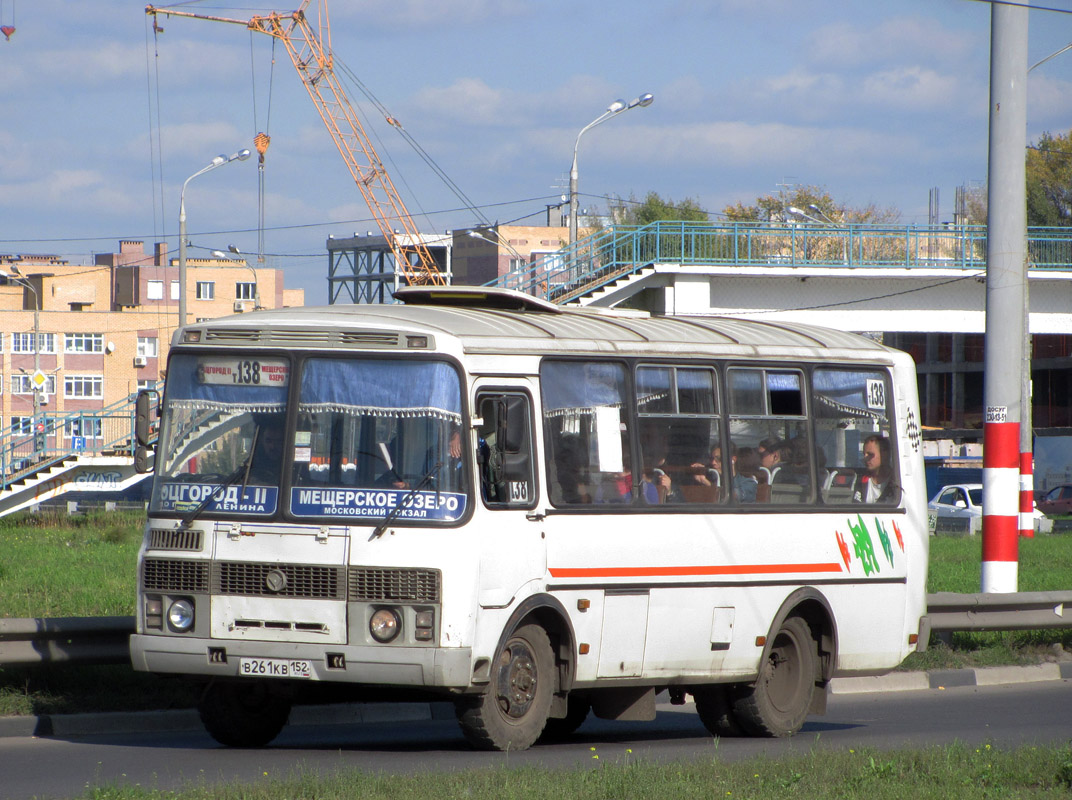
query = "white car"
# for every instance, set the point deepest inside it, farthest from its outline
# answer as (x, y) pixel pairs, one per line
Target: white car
(957, 509)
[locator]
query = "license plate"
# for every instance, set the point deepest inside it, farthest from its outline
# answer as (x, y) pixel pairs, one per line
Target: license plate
(274, 668)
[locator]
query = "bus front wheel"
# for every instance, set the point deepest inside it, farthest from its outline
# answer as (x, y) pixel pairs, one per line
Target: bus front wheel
(511, 713)
(243, 713)
(778, 703)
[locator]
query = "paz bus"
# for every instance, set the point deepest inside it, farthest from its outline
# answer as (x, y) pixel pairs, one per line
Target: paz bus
(536, 512)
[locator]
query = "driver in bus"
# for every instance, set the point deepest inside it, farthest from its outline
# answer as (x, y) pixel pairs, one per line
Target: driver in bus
(267, 453)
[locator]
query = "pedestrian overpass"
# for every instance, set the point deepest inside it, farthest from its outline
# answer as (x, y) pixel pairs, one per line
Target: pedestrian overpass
(856, 277)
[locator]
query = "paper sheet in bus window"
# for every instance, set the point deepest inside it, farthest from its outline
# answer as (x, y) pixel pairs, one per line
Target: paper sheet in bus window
(609, 439)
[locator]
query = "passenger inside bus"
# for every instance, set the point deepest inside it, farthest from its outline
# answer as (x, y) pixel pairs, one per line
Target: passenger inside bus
(878, 485)
(267, 451)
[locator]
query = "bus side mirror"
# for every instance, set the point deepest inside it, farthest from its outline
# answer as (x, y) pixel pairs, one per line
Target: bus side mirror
(143, 417)
(143, 430)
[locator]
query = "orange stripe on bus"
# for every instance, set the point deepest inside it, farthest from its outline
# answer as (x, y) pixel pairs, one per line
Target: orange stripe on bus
(655, 572)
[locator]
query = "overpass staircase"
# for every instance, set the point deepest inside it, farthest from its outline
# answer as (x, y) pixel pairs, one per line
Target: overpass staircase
(75, 452)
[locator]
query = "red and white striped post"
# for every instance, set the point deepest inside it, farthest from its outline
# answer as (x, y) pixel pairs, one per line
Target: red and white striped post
(1001, 493)
(1027, 494)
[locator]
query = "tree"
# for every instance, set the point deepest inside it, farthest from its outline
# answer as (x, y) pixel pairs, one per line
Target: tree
(654, 208)
(1049, 181)
(775, 208)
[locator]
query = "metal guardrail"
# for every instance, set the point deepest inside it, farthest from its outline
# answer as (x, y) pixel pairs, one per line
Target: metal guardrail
(103, 640)
(65, 640)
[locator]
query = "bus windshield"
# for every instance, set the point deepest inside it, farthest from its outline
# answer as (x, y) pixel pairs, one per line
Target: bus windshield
(372, 438)
(222, 434)
(378, 437)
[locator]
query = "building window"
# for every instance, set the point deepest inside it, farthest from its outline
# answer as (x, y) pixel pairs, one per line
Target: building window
(206, 290)
(21, 384)
(147, 384)
(75, 386)
(83, 343)
(21, 426)
(245, 291)
(81, 426)
(148, 346)
(24, 343)
(154, 290)
(175, 293)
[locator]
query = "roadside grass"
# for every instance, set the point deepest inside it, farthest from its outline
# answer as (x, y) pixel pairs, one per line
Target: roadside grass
(953, 771)
(61, 566)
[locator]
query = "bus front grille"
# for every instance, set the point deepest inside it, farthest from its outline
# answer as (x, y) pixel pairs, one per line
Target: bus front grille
(278, 580)
(174, 539)
(174, 575)
(382, 584)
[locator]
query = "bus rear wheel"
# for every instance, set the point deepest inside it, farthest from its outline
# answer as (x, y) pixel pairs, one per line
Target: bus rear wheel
(243, 713)
(511, 713)
(778, 703)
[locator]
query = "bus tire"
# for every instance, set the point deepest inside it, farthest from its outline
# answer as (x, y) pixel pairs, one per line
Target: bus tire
(577, 708)
(778, 703)
(243, 713)
(511, 712)
(714, 707)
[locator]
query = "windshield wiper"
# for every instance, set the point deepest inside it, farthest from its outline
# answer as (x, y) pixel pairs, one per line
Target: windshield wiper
(393, 514)
(232, 479)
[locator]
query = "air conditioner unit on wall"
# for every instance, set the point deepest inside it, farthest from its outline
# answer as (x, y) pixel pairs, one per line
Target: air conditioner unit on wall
(140, 361)
(239, 305)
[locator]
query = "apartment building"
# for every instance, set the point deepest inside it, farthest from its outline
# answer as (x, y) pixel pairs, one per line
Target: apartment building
(86, 336)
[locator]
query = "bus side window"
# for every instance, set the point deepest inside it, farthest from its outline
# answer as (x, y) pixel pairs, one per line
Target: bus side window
(504, 451)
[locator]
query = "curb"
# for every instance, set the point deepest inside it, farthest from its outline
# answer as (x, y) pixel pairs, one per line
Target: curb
(124, 722)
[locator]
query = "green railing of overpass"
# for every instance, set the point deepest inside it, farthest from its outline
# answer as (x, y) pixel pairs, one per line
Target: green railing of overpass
(106, 431)
(617, 251)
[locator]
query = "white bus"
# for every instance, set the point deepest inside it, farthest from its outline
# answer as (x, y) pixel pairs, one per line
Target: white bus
(537, 512)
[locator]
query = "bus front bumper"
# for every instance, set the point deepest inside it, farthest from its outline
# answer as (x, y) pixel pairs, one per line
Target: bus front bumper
(362, 664)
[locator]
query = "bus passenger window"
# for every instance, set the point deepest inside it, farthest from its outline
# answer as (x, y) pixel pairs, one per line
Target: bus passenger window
(768, 428)
(853, 428)
(586, 432)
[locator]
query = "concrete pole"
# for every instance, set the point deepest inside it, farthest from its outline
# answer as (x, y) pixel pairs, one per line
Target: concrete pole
(1005, 281)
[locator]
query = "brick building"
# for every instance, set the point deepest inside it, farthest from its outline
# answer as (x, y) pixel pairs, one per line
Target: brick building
(103, 329)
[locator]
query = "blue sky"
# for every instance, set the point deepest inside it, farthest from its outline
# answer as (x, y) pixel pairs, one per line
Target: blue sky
(875, 102)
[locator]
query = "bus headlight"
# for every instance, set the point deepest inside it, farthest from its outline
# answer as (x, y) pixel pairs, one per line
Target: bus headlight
(385, 625)
(180, 615)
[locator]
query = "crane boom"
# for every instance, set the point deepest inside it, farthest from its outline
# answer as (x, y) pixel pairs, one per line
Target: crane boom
(311, 55)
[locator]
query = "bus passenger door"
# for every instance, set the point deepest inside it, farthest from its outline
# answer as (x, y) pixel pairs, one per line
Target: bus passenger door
(512, 552)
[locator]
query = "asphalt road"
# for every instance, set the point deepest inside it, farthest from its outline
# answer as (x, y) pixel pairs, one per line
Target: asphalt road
(61, 767)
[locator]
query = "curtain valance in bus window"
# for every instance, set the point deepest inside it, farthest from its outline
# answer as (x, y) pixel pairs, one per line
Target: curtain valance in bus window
(852, 393)
(233, 384)
(388, 388)
(571, 387)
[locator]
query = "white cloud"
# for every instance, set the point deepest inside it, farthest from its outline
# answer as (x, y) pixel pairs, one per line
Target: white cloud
(895, 40)
(914, 88)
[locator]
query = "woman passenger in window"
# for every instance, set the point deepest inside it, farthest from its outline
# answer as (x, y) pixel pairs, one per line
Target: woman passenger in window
(878, 485)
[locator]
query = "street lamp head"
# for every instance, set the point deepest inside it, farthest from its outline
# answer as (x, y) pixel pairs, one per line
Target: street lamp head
(220, 254)
(643, 101)
(616, 106)
(796, 211)
(220, 159)
(241, 155)
(234, 249)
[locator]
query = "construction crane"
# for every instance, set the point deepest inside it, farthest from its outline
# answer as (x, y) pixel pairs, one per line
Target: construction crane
(310, 52)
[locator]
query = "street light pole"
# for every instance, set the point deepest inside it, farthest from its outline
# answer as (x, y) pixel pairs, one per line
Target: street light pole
(37, 354)
(218, 161)
(615, 108)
